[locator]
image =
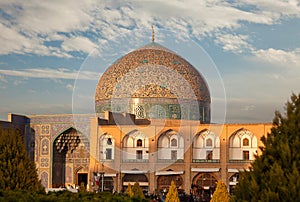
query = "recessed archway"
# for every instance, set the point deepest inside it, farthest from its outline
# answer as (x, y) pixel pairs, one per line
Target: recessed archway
(203, 186)
(164, 182)
(133, 178)
(69, 153)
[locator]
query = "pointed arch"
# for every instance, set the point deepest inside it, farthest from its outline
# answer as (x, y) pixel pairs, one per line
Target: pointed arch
(242, 145)
(44, 177)
(245, 142)
(135, 146)
(107, 147)
(204, 185)
(208, 142)
(65, 130)
(173, 142)
(166, 138)
(69, 146)
(198, 140)
(206, 147)
(170, 145)
(131, 139)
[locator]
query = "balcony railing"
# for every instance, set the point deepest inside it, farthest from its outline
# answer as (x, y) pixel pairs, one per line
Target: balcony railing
(135, 160)
(240, 161)
(206, 160)
(169, 161)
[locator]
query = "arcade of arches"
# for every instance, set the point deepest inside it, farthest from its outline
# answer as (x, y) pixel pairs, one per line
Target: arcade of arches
(195, 167)
(72, 156)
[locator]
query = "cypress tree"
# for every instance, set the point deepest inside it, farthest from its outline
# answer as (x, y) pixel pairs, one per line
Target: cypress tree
(137, 191)
(221, 193)
(17, 171)
(129, 191)
(172, 195)
(274, 176)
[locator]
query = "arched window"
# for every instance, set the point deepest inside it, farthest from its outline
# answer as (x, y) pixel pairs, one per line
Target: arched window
(174, 142)
(242, 145)
(139, 143)
(170, 146)
(109, 142)
(209, 142)
(135, 147)
(245, 142)
(106, 147)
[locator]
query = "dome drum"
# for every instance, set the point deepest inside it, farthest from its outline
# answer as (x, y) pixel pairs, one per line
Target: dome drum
(159, 108)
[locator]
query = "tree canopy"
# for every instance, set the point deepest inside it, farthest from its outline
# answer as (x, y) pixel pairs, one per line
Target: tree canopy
(172, 195)
(221, 193)
(274, 175)
(129, 191)
(17, 171)
(137, 191)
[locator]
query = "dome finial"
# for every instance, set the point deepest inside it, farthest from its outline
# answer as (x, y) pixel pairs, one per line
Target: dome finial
(152, 34)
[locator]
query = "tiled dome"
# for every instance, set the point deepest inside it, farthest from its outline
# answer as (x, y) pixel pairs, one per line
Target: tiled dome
(152, 74)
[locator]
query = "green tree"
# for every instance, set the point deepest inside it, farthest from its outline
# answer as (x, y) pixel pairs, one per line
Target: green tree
(82, 187)
(221, 193)
(129, 191)
(17, 171)
(274, 175)
(137, 191)
(172, 195)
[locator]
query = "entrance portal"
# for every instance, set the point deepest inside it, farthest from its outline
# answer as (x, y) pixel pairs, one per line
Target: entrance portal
(82, 178)
(203, 187)
(108, 184)
(70, 154)
(132, 178)
(164, 182)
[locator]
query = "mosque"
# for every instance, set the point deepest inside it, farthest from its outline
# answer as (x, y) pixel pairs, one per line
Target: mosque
(152, 126)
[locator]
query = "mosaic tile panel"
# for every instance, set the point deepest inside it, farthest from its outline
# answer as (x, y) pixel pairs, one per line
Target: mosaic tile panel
(53, 119)
(45, 129)
(57, 129)
(147, 56)
(44, 179)
(44, 162)
(158, 109)
(45, 147)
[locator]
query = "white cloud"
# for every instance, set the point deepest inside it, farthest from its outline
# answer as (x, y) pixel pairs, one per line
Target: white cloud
(3, 79)
(18, 82)
(279, 57)
(13, 41)
(51, 74)
(78, 44)
(32, 23)
(70, 87)
(44, 17)
(248, 107)
(32, 91)
(285, 8)
(234, 43)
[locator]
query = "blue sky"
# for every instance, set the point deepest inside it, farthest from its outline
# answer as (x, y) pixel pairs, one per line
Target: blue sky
(51, 52)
